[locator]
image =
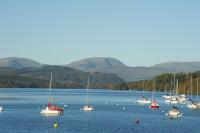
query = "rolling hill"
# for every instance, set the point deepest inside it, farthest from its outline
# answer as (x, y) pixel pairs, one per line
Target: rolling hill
(63, 77)
(18, 63)
(109, 66)
(128, 73)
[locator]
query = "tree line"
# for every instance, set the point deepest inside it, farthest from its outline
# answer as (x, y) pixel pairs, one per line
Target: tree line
(184, 83)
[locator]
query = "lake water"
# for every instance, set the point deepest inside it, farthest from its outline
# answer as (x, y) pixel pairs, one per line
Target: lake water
(115, 112)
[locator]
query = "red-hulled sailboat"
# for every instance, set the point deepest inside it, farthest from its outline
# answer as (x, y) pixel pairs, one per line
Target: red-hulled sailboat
(52, 109)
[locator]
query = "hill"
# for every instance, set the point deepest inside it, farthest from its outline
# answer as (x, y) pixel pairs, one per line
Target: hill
(114, 66)
(18, 63)
(63, 77)
(128, 73)
(110, 66)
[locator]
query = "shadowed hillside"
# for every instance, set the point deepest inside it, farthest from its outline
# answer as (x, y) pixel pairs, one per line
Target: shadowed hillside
(63, 77)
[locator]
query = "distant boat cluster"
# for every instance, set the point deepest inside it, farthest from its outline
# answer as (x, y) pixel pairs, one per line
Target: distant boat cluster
(172, 98)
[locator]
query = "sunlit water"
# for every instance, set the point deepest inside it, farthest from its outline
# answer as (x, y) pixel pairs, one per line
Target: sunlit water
(115, 112)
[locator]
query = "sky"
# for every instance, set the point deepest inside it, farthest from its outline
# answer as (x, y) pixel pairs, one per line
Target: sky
(137, 32)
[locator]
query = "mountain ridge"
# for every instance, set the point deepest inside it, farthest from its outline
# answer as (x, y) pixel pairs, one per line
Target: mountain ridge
(111, 66)
(129, 73)
(63, 77)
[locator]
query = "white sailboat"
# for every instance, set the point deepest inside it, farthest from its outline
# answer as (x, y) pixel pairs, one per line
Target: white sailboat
(198, 103)
(143, 100)
(166, 95)
(88, 108)
(169, 97)
(174, 98)
(174, 112)
(51, 109)
(192, 104)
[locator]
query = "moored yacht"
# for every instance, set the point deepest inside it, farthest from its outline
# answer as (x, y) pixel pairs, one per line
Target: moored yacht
(51, 109)
(174, 112)
(193, 105)
(154, 104)
(88, 108)
(143, 100)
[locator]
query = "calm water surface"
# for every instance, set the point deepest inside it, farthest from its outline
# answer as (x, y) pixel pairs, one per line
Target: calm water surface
(115, 112)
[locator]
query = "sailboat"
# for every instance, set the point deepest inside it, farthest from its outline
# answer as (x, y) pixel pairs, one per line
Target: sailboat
(143, 99)
(154, 104)
(51, 109)
(198, 103)
(174, 98)
(166, 95)
(192, 104)
(169, 97)
(88, 108)
(174, 112)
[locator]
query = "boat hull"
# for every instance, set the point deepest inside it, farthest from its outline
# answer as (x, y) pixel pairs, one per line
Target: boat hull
(174, 114)
(88, 108)
(154, 105)
(193, 106)
(50, 111)
(143, 101)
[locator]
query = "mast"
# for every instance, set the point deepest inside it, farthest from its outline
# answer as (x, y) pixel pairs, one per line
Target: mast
(197, 89)
(165, 88)
(153, 90)
(177, 87)
(50, 88)
(191, 86)
(171, 87)
(88, 83)
(174, 84)
(143, 88)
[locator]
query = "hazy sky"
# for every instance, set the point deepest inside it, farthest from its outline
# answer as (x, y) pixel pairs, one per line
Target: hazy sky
(137, 32)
